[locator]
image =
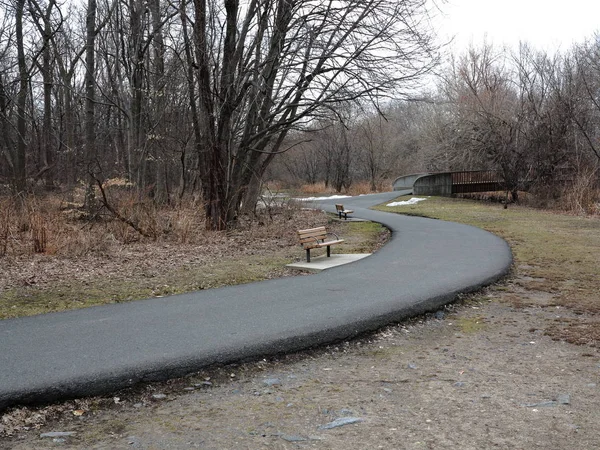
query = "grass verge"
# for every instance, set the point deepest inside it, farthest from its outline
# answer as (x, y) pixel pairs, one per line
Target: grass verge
(555, 254)
(228, 269)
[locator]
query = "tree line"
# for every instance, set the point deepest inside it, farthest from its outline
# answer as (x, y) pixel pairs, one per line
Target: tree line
(212, 96)
(532, 116)
(176, 95)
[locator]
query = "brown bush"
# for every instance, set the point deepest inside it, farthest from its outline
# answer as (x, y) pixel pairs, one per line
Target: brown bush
(316, 188)
(53, 226)
(582, 195)
(39, 233)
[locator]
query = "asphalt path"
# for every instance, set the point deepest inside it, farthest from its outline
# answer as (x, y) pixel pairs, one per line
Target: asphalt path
(97, 350)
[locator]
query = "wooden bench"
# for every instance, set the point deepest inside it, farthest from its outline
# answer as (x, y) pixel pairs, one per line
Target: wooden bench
(340, 210)
(316, 238)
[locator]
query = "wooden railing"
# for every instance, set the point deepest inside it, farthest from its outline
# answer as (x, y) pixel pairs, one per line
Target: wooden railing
(467, 181)
(476, 181)
(449, 183)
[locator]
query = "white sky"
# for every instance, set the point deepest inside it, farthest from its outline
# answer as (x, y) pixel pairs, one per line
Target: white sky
(546, 24)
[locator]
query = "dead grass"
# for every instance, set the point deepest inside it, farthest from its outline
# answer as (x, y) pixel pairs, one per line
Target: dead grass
(357, 188)
(561, 251)
(364, 187)
(316, 188)
(583, 195)
(557, 256)
(106, 261)
(415, 382)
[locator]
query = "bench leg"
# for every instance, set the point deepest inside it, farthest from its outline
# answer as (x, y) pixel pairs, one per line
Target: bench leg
(339, 215)
(328, 251)
(308, 254)
(345, 216)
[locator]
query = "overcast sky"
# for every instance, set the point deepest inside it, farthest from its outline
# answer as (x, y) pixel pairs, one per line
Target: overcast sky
(547, 24)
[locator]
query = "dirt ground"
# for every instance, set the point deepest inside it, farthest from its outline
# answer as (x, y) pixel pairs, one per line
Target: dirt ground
(515, 366)
(479, 374)
(112, 271)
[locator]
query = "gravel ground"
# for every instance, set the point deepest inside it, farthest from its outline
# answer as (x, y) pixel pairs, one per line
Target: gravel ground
(482, 373)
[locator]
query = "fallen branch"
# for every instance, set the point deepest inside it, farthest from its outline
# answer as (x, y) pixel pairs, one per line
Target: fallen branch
(118, 215)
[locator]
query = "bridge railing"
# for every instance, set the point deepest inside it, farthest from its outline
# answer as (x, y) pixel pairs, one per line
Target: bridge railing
(448, 183)
(476, 176)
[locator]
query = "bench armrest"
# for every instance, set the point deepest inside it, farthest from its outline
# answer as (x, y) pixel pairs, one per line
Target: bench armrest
(336, 236)
(317, 241)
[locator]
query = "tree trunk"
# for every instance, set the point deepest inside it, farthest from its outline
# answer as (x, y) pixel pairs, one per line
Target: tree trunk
(214, 193)
(158, 106)
(252, 195)
(5, 127)
(191, 85)
(90, 104)
(19, 160)
(137, 150)
(46, 159)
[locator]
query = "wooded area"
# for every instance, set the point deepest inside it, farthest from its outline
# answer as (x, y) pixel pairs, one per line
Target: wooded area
(179, 96)
(532, 116)
(212, 97)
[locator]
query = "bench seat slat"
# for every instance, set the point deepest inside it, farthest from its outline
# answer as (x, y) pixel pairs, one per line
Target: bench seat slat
(322, 244)
(312, 236)
(316, 238)
(312, 231)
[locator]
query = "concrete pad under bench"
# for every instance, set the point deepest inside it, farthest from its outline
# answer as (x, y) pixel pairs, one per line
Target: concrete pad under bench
(320, 263)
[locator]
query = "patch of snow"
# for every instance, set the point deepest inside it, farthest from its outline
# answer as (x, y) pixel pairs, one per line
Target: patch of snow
(311, 199)
(412, 201)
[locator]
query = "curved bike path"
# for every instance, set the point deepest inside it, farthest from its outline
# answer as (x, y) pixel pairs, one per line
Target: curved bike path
(101, 349)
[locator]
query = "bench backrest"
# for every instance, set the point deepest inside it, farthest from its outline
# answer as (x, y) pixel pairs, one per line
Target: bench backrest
(339, 207)
(311, 235)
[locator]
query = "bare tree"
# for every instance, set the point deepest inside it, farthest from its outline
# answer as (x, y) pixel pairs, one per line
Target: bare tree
(90, 103)
(375, 151)
(209, 101)
(7, 143)
(265, 67)
(585, 82)
(489, 114)
(19, 160)
(43, 20)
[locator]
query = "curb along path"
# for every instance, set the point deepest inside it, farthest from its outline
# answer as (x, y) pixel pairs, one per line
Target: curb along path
(101, 349)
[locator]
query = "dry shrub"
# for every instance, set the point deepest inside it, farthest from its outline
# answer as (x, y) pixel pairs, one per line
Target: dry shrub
(362, 187)
(46, 225)
(58, 228)
(6, 210)
(74, 239)
(385, 185)
(582, 196)
(525, 198)
(39, 235)
(357, 188)
(24, 226)
(183, 223)
(316, 188)
(132, 210)
(184, 227)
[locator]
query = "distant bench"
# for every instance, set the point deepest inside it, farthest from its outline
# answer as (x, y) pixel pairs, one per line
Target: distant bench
(340, 210)
(316, 238)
